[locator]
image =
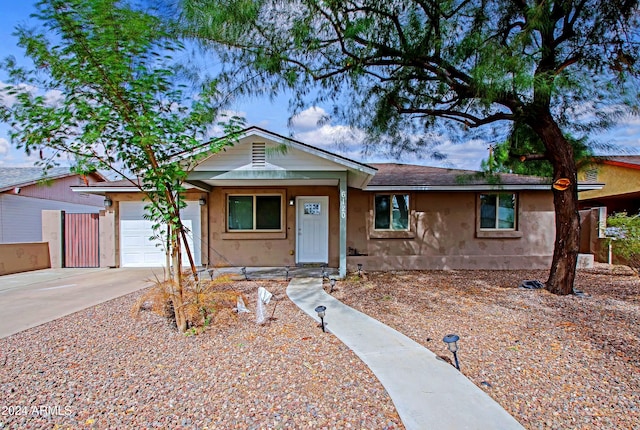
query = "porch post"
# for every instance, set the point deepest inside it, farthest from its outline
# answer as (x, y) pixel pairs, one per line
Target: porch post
(343, 224)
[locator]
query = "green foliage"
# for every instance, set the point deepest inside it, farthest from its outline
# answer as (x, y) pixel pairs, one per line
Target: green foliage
(626, 230)
(122, 102)
(106, 87)
(392, 67)
(524, 154)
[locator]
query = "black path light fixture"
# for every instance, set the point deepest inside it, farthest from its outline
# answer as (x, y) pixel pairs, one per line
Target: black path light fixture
(321, 310)
(324, 271)
(452, 343)
(244, 272)
(332, 281)
(359, 270)
(286, 272)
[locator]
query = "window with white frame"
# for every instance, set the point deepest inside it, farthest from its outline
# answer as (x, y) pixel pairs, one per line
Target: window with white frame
(498, 211)
(391, 212)
(259, 212)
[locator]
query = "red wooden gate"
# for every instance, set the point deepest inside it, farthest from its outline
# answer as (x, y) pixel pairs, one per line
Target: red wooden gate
(81, 245)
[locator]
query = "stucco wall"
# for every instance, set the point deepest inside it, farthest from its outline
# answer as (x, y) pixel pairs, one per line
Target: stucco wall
(265, 249)
(53, 234)
(23, 257)
(444, 234)
(618, 180)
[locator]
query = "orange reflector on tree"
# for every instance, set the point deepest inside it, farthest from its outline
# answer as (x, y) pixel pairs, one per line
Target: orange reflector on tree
(561, 184)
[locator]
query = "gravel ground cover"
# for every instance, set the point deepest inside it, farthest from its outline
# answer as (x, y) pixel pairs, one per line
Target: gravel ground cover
(99, 368)
(552, 362)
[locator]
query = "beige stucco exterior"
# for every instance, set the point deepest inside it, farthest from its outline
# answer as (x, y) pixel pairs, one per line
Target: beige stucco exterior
(265, 249)
(443, 232)
(23, 257)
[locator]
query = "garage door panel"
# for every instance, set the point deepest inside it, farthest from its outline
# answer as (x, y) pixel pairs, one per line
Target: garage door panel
(136, 247)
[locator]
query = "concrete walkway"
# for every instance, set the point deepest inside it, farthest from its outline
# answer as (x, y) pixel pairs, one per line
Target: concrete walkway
(428, 393)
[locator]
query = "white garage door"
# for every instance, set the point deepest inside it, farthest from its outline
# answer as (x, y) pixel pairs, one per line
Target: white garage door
(136, 247)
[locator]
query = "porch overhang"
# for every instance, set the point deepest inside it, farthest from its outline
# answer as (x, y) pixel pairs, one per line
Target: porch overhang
(354, 179)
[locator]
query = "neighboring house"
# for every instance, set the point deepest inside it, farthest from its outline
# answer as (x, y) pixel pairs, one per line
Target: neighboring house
(621, 176)
(24, 194)
(254, 204)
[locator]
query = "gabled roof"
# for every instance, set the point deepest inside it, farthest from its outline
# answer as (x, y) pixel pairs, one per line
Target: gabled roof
(393, 176)
(628, 161)
(254, 130)
(260, 157)
(11, 177)
(371, 177)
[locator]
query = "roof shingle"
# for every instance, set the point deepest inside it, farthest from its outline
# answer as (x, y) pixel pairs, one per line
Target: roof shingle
(22, 176)
(393, 174)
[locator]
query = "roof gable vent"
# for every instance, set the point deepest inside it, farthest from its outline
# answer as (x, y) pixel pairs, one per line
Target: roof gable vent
(258, 155)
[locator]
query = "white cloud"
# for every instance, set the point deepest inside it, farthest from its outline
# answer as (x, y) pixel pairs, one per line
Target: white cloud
(309, 119)
(53, 97)
(7, 99)
(4, 146)
(464, 155)
(216, 130)
(313, 127)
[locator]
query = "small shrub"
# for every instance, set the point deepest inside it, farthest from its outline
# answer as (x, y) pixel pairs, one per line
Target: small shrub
(202, 301)
(625, 233)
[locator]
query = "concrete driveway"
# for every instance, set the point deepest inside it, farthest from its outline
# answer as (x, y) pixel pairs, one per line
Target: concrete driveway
(32, 298)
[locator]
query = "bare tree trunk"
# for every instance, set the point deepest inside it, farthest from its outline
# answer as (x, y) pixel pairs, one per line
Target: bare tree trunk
(565, 201)
(178, 303)
(192, 264)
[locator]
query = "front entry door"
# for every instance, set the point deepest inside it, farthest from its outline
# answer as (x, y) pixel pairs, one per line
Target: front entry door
(312, 221)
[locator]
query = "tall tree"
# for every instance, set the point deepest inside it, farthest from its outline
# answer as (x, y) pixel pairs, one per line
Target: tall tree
(406, 63)
(122, 102)
(523, 153)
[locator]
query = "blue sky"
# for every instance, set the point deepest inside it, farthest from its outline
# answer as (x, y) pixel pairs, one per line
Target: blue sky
(274, 116)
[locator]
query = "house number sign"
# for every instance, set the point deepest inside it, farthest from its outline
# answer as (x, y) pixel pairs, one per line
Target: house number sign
(343, 204)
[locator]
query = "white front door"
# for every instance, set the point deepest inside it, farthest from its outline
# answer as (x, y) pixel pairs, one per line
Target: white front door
(312, 221)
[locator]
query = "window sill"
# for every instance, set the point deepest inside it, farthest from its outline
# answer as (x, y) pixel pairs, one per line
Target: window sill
(392, 235)
(497, 234)
(248, 235)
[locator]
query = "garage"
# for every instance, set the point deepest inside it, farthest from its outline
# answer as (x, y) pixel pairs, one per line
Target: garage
(136, 247)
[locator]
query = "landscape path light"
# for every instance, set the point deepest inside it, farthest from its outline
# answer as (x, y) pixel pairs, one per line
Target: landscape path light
(333, 284)
(452, 343)
(359, 270)
(320, 310)
(286, 268)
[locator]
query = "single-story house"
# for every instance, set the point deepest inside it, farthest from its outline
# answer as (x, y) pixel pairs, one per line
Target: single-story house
(25, 193)
(273, 201)
(621, 176)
